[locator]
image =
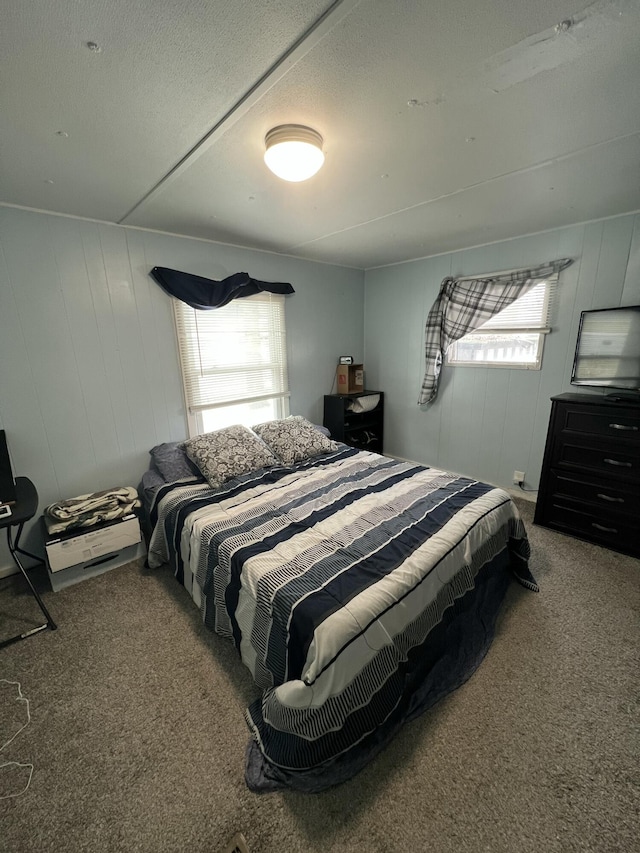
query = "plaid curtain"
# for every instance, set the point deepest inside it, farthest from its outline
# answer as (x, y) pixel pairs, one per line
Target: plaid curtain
(464, 304)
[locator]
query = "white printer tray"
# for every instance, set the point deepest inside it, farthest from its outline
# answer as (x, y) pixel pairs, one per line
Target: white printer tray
(74, 548)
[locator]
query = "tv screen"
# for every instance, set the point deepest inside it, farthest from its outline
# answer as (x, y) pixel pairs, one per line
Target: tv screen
(608, 349)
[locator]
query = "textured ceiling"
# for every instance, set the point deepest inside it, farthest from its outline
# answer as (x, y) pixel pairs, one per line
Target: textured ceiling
(446, 123)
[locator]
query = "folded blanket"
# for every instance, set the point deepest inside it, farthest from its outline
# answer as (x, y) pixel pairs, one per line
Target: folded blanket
(87, 510)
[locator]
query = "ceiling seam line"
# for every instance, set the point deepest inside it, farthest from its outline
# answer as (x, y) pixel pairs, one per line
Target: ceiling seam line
(300, 48)
(504, 175)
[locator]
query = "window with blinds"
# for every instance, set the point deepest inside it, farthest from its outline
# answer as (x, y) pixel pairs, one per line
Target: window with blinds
(234, 362)
(512, 338)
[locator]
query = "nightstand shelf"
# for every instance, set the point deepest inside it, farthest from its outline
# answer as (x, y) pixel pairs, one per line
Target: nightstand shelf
(364, 430)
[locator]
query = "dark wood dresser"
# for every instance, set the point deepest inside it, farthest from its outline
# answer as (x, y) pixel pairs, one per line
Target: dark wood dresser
(590, 483)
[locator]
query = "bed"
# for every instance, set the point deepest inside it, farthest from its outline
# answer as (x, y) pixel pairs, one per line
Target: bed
(357, 589)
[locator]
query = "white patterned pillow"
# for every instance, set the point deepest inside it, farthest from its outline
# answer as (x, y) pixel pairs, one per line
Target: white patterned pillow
(227, 453)
(294, 439)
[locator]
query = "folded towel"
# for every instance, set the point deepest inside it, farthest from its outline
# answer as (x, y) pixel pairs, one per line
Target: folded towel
(88, 510)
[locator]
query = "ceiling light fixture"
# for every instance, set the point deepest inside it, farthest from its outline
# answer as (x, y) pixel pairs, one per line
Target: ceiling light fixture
(294, 152)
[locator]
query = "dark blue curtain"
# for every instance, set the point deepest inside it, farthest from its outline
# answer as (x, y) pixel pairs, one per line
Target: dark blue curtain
(205, 294)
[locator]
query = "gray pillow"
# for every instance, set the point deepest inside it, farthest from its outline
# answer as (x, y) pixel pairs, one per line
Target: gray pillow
(227, 453)
(172, 462)
(294, 439)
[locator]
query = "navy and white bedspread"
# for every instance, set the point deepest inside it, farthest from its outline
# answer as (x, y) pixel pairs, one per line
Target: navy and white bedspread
(336, 578)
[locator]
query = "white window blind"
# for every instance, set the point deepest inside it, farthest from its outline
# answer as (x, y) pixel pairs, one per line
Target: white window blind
(512, 338)
(530, 312)
(234, 354)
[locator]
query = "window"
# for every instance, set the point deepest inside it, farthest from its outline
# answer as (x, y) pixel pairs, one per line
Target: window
(512, 338)
(234, 364)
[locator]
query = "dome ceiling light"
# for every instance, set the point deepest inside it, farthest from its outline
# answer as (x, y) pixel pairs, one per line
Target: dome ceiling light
(294, 152)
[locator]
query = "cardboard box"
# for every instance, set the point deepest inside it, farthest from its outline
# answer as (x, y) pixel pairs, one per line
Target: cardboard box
(350, 378)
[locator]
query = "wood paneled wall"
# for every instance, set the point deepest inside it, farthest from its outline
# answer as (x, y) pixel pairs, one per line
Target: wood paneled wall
(89, 372)
(488, 422)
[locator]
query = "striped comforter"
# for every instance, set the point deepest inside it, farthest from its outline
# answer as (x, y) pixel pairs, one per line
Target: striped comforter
(330, 576)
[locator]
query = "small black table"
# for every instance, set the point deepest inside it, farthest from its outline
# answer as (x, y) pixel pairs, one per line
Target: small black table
(23, 510)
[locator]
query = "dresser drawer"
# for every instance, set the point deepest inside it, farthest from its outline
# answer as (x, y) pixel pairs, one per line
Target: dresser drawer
(613, 499)
(610, 422)
(616, 460)
(620, 534)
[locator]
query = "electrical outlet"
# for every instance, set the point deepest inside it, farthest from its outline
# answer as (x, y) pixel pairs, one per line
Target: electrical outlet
(518, 477)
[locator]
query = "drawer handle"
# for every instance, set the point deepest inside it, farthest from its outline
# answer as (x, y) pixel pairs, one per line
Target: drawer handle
(619, 464)
(610, 499)
(602, 527)
(624, 426)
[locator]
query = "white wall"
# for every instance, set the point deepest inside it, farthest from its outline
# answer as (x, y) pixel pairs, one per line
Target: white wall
(487, 422)
(89, 372)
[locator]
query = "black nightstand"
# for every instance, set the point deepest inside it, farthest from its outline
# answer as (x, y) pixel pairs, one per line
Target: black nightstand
(364, 430)
(23, 510)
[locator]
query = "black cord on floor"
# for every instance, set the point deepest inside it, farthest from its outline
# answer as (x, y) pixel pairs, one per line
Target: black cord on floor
(522, 488)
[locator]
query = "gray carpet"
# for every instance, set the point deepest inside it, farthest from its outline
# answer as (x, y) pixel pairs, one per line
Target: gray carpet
(137, 736)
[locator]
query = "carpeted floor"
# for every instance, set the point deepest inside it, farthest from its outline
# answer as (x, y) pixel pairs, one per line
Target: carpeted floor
(137, 737)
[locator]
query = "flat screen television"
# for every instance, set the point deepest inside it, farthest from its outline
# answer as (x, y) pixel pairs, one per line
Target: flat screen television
(608, 349)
